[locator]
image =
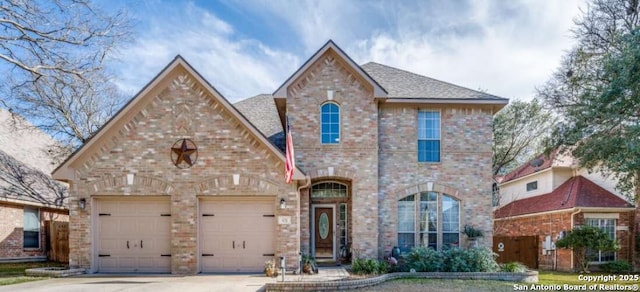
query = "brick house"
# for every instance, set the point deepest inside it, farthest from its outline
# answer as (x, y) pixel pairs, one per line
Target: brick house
(182, 181)
(29, 198)
(549, 196)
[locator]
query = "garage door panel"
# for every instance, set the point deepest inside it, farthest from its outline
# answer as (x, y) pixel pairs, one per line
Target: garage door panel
(133, 235)
(240, 224)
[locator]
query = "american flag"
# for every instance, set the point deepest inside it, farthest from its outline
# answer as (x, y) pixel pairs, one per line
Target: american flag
(290, 163)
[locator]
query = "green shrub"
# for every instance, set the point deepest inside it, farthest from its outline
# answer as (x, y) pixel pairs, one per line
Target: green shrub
(455, 260)
(423, 259)
(513, 267)
(616, 267)
(369, 266)
(383, 267)
(482, 259)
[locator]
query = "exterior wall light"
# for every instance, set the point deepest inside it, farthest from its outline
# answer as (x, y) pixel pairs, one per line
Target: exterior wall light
(82, 203)
(283, 203)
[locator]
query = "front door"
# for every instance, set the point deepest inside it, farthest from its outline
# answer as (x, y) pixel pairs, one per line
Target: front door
(323, 233)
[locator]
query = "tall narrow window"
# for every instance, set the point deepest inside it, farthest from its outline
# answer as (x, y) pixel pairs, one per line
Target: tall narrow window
(330, 123)
(406, 223)
(31, 231)
(428, 136)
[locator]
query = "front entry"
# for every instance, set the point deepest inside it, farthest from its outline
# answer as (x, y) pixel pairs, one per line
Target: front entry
(324, 239)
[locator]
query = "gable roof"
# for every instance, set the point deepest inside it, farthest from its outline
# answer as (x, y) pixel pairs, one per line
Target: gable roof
(65, 171)
(577, 192)
(378, 91)
(401, 84)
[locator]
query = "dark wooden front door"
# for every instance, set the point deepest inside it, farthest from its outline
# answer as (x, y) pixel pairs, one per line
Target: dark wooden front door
(324, 232)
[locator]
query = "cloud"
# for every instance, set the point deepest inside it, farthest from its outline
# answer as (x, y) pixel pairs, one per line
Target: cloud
(237, 67)
(506, 48)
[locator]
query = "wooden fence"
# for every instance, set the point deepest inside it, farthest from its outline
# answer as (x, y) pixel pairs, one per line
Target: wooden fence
(58, 241)
(523, 249)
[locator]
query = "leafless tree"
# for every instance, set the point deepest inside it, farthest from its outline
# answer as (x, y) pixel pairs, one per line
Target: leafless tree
(54, 52)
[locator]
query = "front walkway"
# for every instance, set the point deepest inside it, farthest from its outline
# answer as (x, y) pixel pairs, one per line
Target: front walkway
(324, 274)
(162, 283)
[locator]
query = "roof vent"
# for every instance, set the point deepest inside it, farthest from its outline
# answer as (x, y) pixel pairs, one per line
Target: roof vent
(536, 163)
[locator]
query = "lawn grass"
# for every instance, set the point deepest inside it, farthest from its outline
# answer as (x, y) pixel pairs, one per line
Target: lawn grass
(561, 278)
(13, 273)
(545, 278)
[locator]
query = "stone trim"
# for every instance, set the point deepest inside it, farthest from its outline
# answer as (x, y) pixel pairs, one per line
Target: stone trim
(429, 187)
(526, 277)
(119, 185)
(328, 173)
(222, 184)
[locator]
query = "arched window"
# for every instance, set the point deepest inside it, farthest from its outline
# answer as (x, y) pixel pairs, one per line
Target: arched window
(330, 123)
(428, 219)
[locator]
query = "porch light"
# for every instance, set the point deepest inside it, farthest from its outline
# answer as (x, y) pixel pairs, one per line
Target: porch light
(283, 203)
(82, 203)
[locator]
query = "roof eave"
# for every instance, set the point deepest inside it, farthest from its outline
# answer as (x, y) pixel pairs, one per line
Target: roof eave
(503, 102)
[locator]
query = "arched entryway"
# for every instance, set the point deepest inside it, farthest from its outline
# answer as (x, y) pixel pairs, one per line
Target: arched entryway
(330, 220)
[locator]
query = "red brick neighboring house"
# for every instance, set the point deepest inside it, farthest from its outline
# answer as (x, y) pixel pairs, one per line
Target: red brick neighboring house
(29, 198)
(565, 199)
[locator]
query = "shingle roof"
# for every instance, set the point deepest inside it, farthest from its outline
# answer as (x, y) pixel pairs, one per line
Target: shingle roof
(25, 142)
(403, 84)
(528, 168)
(574, 193)
(261, 111)
(23, 183)
(24, 164)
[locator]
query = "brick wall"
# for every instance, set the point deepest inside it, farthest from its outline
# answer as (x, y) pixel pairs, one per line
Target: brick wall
(355, 158)
(464, 171)
(139, 143)
(11, 236)
(551, 224)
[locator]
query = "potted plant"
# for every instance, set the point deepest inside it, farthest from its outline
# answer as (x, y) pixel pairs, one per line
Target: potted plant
(472, 234)
(270, 269)
(308, 264)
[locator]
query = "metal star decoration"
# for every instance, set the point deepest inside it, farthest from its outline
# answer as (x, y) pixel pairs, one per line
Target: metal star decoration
(184, 153)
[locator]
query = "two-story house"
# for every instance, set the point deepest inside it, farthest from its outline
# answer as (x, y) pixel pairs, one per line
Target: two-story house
(549, 196)
(182, 181)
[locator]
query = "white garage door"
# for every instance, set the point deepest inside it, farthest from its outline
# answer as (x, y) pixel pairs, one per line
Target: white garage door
(237, 235)
(134, 235)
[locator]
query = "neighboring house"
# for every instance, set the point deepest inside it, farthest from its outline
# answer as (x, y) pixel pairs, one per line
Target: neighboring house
(29, 198)
(550, 196)
(182, 181)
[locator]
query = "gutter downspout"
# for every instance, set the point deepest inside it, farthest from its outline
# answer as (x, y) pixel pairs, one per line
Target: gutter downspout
(299, 198)
(572, 214)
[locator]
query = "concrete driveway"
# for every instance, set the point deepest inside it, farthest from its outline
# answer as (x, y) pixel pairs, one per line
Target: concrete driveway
(151, 283)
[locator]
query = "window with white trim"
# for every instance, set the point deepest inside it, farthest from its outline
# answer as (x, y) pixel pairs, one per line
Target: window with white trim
(608, 226)
(428, 136)
(330, 123)
(31, 228)
(428, 219)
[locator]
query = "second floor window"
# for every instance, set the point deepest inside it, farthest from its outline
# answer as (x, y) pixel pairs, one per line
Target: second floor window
(428, 136)
(330, 123)
(532, 186)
